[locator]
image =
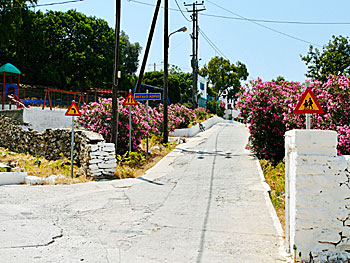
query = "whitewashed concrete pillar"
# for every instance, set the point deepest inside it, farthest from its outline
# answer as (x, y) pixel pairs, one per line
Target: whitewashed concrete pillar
(317, 197)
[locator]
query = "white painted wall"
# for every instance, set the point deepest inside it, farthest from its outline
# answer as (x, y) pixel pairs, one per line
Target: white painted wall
(40, 120)
(194, 130)
(12, 177)
(204, 81)
(317, 196)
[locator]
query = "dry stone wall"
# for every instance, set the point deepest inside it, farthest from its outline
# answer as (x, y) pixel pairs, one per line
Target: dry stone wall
(90, 149)
(317, 197)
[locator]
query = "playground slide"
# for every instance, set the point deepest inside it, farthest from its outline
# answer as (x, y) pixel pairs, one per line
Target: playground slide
(17, 101)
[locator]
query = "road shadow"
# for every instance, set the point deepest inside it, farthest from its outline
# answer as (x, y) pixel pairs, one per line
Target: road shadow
(202, 154)
(206, 218)
(148, 181)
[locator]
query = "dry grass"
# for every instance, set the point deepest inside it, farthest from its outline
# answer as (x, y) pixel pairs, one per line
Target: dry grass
(157, 152)
(274, 176)
(39, 166)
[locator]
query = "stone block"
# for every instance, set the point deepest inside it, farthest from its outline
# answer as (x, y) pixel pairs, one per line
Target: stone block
(95, 161)
(93, 147)
(93, 166)
(98, 153)
(109, 157)
(107, 165)
(12, 178)
(33, 180)
(52, 179)
(93, 136)
(108, 147)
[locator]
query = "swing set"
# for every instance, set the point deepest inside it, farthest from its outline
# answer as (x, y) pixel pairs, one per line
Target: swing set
(83, 96)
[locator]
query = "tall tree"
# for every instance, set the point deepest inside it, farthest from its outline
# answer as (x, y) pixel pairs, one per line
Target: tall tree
(69, 50)
(225, 77)
(180, 84)
(11, 18)
(333, 59)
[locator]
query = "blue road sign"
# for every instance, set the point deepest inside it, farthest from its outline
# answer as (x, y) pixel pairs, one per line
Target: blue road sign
(147, 96)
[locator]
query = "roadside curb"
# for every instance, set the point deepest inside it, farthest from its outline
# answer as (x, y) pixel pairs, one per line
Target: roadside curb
(273, 214)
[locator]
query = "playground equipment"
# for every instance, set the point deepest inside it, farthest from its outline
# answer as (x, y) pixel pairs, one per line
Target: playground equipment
(83, 96)
(17, 101)
(106, 91)
(10, 88)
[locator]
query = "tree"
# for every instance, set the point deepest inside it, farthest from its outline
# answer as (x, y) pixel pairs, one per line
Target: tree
(179, 83)
(225, 77)
(333, 59)
(69, 50)
(10, 18)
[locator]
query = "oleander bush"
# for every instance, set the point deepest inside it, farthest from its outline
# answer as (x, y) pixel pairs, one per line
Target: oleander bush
(97, 117)
(268, 109)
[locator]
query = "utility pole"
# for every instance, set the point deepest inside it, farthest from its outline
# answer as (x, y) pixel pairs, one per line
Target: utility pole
(148, 46)
(196, 7)
(165, 84)
(115, 110)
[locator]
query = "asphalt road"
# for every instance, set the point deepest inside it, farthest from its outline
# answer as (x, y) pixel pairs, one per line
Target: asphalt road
(203, 203)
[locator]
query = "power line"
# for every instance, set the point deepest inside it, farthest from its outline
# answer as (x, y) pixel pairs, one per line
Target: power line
(277, 21)
(48, 4)
(211, 43)
(60, 3)
(182, 11)
(269, 28)
(254, 19)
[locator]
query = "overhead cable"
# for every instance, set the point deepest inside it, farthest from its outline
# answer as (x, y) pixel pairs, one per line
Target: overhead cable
(254, 19)
(182, 11)
(211, 43)
(269, 28)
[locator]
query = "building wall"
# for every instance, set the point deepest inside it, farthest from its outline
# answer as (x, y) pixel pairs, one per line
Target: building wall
(202, 87)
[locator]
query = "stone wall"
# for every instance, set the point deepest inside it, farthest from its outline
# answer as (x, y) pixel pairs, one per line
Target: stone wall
(52, 143)
(13, 114)
(317, 197)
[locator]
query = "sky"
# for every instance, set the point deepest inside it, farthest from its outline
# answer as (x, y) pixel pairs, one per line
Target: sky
(266, 53)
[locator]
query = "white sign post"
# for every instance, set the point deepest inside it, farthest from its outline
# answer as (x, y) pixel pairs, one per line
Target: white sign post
(308, 115)
(72, 149)
(72, 111)
(147, 122)
(130, 101)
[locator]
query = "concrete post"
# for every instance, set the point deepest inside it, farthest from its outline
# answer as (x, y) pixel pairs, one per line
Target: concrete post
(317, 197)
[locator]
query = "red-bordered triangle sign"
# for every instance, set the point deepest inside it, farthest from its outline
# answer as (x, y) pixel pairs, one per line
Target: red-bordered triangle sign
(73, 110)
(308, 103)
(130, 100)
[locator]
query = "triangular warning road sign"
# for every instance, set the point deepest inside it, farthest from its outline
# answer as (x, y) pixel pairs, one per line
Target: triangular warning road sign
(308, 103)
(73, 110)
(130, 100)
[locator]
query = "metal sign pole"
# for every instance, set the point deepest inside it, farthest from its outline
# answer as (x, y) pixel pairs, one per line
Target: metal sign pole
(130, 125)
(147, 122)
(308, 116)
(72, 149)
(308, 121)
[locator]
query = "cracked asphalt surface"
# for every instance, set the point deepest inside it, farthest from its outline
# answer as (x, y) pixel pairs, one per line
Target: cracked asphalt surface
(204, 202)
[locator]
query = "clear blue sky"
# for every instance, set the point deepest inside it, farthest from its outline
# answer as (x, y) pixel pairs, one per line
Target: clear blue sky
(267, 54)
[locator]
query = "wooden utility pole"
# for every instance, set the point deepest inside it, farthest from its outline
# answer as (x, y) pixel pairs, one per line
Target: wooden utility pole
(196, 7)
(166, 83)
(115, 110)
(148, 46)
